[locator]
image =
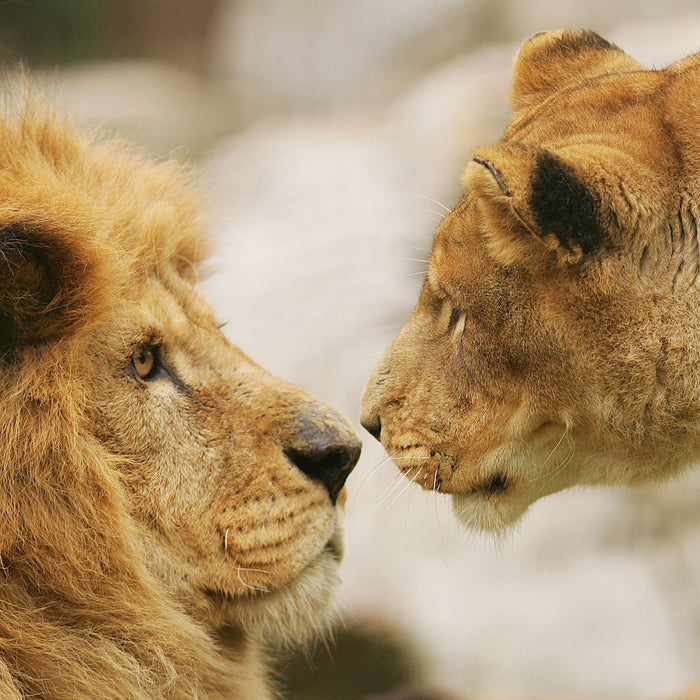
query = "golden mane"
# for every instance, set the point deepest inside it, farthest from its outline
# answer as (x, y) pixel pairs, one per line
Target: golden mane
(80, 615)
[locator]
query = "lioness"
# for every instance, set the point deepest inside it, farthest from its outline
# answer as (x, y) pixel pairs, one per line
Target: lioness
(557, 336)
(158, 488)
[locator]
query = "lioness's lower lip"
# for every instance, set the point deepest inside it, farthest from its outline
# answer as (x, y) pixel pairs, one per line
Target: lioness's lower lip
(495, 485)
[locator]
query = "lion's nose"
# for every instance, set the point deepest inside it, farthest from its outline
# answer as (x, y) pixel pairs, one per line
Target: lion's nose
(323, 445)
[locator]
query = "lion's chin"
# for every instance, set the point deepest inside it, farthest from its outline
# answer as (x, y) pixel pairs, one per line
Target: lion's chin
(296, 613)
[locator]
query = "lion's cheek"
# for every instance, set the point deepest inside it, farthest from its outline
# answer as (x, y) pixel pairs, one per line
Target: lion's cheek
(274, 550)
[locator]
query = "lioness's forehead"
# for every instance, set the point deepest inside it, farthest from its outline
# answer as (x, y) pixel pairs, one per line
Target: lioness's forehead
(451, 242)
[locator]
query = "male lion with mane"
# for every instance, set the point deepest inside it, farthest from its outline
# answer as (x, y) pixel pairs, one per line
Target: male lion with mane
(556, 340)
(166, 504)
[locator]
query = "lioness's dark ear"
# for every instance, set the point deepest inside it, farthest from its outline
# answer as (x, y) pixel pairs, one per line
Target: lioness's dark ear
(528, 191)
(553, 60)
(48, 280)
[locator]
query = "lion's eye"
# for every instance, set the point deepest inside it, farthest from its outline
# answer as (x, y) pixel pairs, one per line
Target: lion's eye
(144, 362)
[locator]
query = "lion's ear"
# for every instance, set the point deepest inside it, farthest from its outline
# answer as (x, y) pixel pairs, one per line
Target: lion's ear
(527, 191)
(48, 280)
(552, 60)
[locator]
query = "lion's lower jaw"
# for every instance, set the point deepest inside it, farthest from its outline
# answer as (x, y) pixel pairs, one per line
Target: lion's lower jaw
(296, 614)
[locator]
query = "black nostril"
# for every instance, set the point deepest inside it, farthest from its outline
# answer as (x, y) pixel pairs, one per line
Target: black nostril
(330, 464)
(373, 426)
(323, 445)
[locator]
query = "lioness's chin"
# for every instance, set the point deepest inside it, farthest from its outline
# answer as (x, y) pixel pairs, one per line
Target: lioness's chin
(298, 612)
(489, 513)
(498, 502)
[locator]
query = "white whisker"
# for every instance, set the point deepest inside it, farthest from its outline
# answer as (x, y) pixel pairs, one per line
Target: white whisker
(432, 214)
(415, 247)
(571, 451)
(436, 486)
(554, 449)
(406, 487)
(399, 480)
(372, 472)
(248, 585)
(435, 201)
(240, 568)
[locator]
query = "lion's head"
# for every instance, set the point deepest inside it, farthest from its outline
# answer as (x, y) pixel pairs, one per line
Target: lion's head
(157, 484)
(557, 337)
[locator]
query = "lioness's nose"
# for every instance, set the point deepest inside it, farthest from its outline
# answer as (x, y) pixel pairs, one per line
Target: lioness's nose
(323, 445)
(373, 425)
(371, 402)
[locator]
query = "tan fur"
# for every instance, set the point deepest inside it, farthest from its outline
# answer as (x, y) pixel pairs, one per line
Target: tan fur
(152, 532)
(557, 338)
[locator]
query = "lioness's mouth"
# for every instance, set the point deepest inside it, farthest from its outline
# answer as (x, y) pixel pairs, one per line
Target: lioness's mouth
(495, 485)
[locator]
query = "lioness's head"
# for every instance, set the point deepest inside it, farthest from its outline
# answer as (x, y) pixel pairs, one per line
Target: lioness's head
(142, 426)
(557, 336)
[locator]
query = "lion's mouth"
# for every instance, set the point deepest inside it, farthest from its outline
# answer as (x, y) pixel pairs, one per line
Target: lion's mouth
(217, 595)
(334, 547)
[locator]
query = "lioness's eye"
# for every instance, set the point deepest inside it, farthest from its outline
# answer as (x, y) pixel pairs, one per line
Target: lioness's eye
(456, 315)
(144, 362)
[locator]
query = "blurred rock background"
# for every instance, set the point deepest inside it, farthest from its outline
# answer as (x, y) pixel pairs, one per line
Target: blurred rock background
(330, 135)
